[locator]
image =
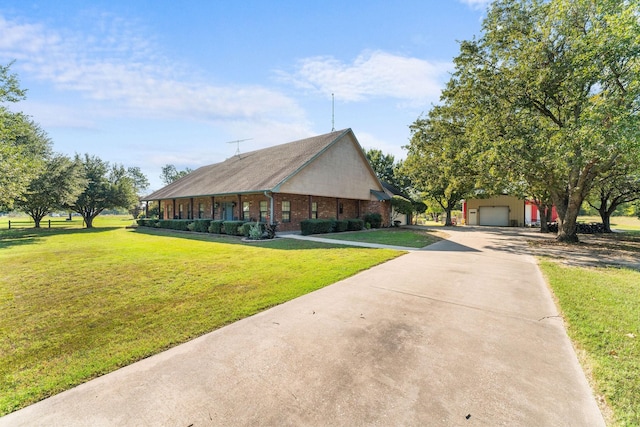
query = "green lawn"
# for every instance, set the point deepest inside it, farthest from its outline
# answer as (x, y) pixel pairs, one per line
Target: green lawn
(602, 309)
(388, 236)
(77, 303)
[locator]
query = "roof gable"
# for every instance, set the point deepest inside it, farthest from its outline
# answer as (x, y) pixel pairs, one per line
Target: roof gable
(257, 171)
(341, 169)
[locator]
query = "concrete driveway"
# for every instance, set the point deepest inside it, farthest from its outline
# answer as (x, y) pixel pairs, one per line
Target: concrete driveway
(463, 333)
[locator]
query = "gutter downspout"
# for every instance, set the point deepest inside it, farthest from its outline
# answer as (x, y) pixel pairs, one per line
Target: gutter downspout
(270, 207)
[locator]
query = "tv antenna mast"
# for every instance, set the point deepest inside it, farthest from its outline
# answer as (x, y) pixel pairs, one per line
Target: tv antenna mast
(333, 116)
(238, 141)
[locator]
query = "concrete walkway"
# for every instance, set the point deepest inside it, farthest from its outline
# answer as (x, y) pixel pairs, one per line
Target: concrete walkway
(463, 333)
(344, 242)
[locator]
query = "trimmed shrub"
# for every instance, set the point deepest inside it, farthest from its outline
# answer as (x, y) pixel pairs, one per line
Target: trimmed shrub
(147, 222)
(215, 227)
(201, 225)
(341, 225)
(375, 219)
(316, 226)
(355, 224)
(175, 224)
(233, 228)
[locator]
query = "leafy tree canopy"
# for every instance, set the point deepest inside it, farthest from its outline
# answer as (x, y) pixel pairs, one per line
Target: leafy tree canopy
(23, 145)
(551, 95)
(107, 187)
(55, 186)
(170, 174)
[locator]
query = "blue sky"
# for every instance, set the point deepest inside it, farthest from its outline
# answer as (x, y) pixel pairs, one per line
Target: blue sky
(147, 83)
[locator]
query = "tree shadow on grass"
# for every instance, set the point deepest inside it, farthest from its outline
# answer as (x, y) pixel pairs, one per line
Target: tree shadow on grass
(30, 236)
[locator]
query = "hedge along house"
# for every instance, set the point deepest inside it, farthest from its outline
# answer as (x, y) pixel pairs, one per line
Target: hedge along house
(326, 176)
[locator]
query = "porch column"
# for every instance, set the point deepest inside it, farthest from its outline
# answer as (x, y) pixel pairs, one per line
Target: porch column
(174, 209)
(309, 207)
(337, 208)
(213, 209)
(240, 211)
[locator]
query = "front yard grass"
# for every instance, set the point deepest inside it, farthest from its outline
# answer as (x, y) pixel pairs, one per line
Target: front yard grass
(389, 236)
(601, 307)
(77, 303)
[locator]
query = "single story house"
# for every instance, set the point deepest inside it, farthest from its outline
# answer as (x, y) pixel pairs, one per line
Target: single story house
(326, 176)
(502, 211)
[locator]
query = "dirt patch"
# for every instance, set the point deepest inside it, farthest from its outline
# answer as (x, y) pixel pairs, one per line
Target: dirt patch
(594, 250)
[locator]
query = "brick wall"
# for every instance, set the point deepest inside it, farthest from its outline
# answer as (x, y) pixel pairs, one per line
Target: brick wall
(300, 208)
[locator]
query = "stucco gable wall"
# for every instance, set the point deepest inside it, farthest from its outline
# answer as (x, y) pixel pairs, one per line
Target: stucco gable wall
(341, 171)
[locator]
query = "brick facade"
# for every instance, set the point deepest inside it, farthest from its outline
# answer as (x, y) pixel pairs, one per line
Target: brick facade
(248, 207)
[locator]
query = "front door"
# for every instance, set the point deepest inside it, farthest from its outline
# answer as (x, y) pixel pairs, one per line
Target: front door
(227, 211)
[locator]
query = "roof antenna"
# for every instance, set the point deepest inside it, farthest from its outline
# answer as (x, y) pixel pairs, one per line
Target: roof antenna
(238, 141)
(333, 126)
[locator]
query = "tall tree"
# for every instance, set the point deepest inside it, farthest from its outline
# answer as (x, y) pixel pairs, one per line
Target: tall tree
(108, 187)
(382, 164)
(170, 174)
(23, 145)
(621, 185)
(440, 161)
(57, 184)
(568, 69)
(141, 184)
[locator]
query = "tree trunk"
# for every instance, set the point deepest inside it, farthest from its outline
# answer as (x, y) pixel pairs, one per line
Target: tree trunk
(36, 222)
(88, 220)
(548, 215)
(448, 222)
(568, 210)
(544, 210)
(606, 222)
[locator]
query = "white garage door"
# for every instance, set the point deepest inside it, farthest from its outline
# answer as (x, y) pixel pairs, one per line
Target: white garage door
(494, 215)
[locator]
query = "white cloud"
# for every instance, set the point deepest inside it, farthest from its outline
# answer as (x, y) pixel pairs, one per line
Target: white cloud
(476, 4)
(121, 70)
(373, 74)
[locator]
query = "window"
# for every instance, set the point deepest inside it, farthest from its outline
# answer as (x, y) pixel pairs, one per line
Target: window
(169, 212)
(340, 208)
(180, 210)
(286, 211)
(314, 210)
(264, 213)
(200, 210)
(245, 211)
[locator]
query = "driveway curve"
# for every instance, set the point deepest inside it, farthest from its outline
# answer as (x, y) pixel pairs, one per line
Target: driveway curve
(461, 333)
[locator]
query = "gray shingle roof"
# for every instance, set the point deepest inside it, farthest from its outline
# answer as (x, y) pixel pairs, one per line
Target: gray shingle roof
(256, 171)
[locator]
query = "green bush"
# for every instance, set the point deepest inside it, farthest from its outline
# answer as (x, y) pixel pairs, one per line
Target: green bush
(253, 229)
(147, 222)
(341, 225)
(233, 228)
(316, 226)
(355, 224)
(215, 227)
(201, 225)
(375, 219)
(175, 224)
